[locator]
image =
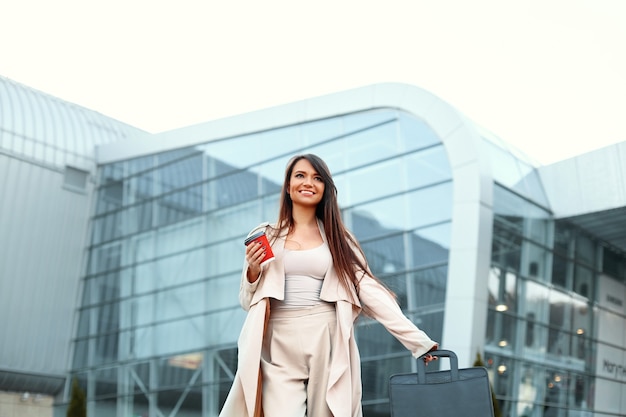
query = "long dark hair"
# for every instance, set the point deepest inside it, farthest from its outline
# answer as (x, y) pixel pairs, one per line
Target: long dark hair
(348, 257)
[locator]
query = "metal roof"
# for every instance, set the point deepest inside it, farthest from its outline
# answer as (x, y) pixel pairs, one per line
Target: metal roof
(37, 126)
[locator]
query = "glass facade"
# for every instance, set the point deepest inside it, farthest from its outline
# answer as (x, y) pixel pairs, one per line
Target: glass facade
(543, 335)
(159, 316)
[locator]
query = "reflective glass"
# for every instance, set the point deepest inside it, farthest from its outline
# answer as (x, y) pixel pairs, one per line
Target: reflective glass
(375, 374)
(536, 261)
(180, 302)
(365, 120)
(583, 281)
(372, 181)
(416, 133)
(427, 167)
(371, 145)
(429, 206)
(326, 130)
(536, 301)
(141, 164)
(506, 248)
(503, 165)
(535, 335)
(180, 173)
(560, 271)
(233, 189)
(502, 290)
(386, 255)
(105, 383)
(585, 250)
(111, 196)
(164, 285)
(179, 336)
(177, 206)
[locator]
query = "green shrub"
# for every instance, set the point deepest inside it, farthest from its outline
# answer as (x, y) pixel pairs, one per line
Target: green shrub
(78, 401)
(496, 405)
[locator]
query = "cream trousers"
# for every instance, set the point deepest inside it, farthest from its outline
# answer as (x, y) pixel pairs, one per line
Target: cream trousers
(295, 361)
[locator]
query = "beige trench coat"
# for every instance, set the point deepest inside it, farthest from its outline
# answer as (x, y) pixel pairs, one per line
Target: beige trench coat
(344, 384)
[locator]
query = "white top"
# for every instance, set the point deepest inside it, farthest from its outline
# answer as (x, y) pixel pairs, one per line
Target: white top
(304, 276)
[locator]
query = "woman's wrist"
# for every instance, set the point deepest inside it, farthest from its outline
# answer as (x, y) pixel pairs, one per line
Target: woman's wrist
(253, 274)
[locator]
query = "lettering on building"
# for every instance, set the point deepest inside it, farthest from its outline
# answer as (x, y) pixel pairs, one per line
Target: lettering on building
(614, 300)
(616, 370)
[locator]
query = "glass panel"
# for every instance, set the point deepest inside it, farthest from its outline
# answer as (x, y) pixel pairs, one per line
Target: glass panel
(180, 302)
(535, 262)
(140, 164)
(334, 154)
(502, 290)
(427, 167)
(181, 173)
(378, 219)
(331, 129)
(506, 247)
(386, 255)
(583, 282)
(175, 154)
(503, 165)
(558, 334)
(106, 349)
(585, 250)
(374, 340)
(613, 264)
(105, 382)
(233, 189)
(81, 354)
(104, 258)
(429, 205)
(535, 335)
(108, 407)
(563, 238)
(107, 228)
(365, 120)
(536, 301)
(501, 330)
(436, 241)
(415, 133)
(179, 336)
(371, 145)
(373, 181)
(560, 271)
(110, 196)
(533, 186)
(181, 205)
(375, 376)
(419, 290)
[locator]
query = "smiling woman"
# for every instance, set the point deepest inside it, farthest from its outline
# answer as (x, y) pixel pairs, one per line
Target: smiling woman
(297, 350)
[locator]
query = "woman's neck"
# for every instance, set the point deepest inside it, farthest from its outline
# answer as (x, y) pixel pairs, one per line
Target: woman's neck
(304, 216)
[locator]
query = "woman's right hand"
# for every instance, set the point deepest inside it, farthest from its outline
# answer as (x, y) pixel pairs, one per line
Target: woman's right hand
(254, 256)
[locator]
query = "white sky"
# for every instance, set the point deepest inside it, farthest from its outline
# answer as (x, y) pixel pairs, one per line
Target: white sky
(547, 76)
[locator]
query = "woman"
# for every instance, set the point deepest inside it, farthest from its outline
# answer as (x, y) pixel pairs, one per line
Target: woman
(297, 352)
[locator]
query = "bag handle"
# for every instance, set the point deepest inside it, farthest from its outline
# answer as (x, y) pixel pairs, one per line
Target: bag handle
(454, 364)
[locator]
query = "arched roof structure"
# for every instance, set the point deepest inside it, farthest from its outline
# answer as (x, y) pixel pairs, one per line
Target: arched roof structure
(37, 126)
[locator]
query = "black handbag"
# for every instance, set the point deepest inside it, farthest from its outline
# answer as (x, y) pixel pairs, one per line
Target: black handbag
(450, 393)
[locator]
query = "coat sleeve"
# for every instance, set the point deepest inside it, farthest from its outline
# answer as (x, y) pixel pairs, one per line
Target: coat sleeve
(387, 312)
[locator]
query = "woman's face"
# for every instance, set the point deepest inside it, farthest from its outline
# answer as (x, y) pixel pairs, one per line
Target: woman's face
(306, 186)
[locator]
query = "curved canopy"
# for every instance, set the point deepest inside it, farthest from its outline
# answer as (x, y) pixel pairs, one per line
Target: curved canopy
(40, 127)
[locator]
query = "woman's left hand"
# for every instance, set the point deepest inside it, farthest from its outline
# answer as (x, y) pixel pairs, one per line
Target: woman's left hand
(428, 357)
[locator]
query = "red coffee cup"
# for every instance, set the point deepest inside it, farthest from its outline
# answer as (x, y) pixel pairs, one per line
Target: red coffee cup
(262, 238)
